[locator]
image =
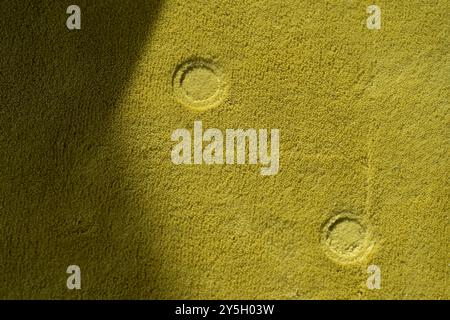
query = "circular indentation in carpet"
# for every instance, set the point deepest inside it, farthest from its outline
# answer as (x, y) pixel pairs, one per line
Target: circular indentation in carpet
(199, 84)
(346, 238)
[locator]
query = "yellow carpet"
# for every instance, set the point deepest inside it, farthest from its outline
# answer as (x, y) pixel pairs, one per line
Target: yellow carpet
(87, 179)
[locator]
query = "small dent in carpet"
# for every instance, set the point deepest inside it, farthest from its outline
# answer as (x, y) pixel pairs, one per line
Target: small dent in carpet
(199, 84)
(346, 238)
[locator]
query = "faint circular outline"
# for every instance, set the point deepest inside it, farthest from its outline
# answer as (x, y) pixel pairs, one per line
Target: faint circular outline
(361, 253)
(199, 105)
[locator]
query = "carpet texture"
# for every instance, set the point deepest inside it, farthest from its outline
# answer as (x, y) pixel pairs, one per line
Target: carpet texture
(86, 118)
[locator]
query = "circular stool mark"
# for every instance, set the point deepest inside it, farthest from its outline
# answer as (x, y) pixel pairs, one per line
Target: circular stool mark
(199, 84)
(346, 239)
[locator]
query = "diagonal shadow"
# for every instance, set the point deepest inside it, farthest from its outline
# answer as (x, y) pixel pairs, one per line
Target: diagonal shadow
(59, 182)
